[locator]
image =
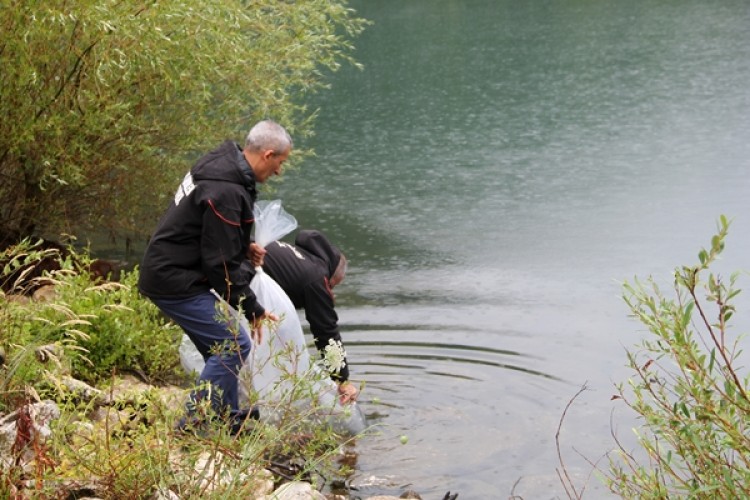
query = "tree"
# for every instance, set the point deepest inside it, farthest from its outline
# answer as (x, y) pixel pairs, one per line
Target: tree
(103, 103)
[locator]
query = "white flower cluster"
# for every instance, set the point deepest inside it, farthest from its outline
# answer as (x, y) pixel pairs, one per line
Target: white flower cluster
(334, 356)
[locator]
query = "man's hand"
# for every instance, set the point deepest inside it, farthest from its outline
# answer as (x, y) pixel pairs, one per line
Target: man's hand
(257, 333)
(255, 253)
(347, 392)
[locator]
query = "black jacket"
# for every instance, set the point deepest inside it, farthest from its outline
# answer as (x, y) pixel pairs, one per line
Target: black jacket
(202, 239)
(303, 270)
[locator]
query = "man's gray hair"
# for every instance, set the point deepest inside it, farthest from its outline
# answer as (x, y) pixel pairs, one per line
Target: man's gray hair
(268, 134)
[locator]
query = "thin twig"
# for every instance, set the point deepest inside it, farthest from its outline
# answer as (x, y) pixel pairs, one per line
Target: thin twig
(564, 476)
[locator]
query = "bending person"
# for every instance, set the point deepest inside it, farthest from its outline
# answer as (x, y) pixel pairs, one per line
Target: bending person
(308, 271)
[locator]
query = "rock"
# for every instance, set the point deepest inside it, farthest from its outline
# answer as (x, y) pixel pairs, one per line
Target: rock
(104, 270)
(111, 419)
(214, 471)
(296, 490)
(130, 389)
(165, 494)
(49, 352)
(411, 494)
(45, 293)
(16, 298)
(69, 386)
(30, 277)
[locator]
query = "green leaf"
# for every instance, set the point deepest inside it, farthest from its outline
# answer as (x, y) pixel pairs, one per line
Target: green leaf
(687, 314)
(684, 409)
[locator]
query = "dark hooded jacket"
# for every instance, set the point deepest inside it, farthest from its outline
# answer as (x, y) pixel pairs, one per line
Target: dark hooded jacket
(303, 271)
(202, 239)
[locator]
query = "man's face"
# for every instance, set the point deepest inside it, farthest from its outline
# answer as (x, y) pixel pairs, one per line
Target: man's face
(270, 164)
(335, 280)
(338, 275)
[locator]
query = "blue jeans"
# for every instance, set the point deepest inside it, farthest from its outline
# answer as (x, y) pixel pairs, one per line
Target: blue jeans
(223, 349)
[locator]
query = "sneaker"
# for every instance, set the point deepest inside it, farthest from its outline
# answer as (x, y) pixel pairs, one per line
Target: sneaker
(189, 424)
(242, 420)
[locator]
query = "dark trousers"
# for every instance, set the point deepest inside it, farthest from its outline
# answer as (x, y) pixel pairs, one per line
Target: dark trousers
(223, 343)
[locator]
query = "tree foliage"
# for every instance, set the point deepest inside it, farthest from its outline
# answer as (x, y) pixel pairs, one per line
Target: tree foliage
(690, 389)
(103, 103)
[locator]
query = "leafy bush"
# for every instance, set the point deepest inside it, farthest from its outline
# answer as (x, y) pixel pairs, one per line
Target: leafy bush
(689, 387)
(104, 101)
(122, 330)
(92, 328)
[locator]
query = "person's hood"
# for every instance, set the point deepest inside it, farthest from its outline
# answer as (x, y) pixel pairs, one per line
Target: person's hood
(225, 163)
(318, 245)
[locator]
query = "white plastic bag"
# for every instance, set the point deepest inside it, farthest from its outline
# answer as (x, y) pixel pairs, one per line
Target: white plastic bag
(190, 359)
(285, 342)
(282, 358)
(273, 223)
(282, 355)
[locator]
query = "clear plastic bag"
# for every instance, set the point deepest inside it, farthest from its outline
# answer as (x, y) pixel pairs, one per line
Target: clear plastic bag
(282, 359)
(190, 359)
(272, 222)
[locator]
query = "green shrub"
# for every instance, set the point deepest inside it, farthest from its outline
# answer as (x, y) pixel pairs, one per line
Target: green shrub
(122, 330)
(104, 102)
(90, 328)
(689, 388)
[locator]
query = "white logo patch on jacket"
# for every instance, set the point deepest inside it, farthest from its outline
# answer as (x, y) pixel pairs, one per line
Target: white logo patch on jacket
(185, 188)
(292, 248)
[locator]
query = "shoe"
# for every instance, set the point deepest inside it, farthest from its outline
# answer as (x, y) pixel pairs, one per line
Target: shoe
(189, 424)
(241, 420)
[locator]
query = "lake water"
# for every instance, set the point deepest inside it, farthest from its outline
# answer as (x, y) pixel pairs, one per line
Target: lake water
(493, 174)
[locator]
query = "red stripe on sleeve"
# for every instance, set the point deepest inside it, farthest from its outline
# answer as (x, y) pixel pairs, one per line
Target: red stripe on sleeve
(230, 222)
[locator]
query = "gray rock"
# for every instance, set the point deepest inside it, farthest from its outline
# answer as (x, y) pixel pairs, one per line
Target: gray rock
(296, 490)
